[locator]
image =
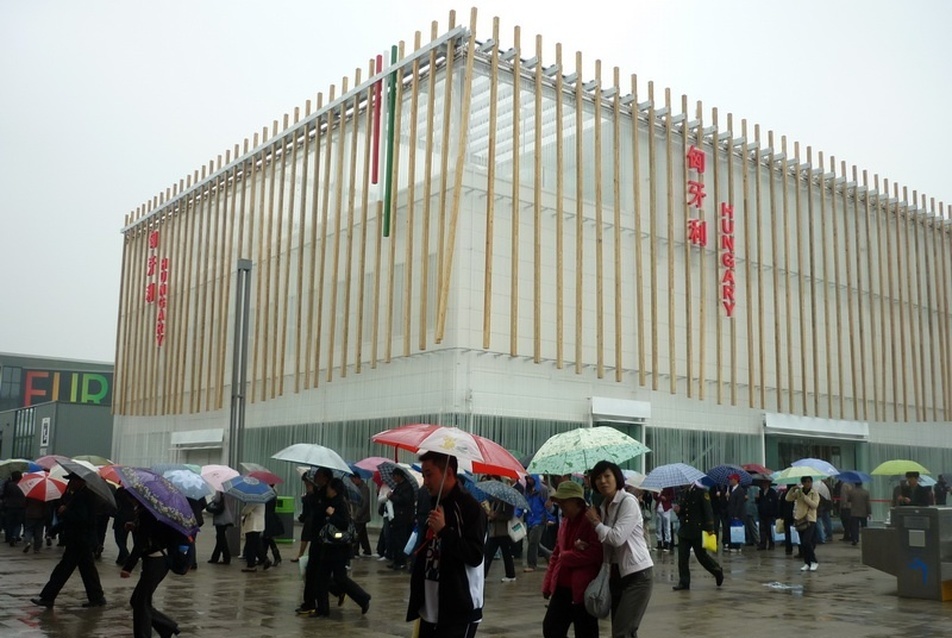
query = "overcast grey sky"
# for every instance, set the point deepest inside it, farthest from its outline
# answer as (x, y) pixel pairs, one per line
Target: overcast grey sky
(104, 104)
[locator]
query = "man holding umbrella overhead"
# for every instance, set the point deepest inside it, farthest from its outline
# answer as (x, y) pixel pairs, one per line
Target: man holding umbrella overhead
(77, 519)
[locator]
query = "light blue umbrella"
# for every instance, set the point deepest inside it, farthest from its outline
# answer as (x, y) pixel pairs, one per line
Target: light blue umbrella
(248, 489)
(672, 475)
(819, 464)
(190, 484)
(502, 492)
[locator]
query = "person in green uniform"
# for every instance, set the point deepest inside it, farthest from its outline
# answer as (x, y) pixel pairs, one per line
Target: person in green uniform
(694, 511)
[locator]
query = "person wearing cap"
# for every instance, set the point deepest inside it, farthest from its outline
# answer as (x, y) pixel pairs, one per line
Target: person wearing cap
(696, 516)
(805, 501)
(913, 494)
(575, 561)
(77, 518)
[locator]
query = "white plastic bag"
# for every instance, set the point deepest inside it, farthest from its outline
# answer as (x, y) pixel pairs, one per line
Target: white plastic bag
(411, 543)
(516, 529)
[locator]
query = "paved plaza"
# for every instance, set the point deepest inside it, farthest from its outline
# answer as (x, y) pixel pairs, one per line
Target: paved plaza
(765, 594)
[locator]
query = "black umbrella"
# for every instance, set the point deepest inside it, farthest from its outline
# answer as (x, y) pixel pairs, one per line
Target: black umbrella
(96, 484)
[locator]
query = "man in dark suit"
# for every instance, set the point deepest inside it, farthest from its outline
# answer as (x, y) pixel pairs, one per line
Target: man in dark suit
(696, 516)
(768, 508)
(77, 516)
(914, 494)
(403, 497)
(736, 506)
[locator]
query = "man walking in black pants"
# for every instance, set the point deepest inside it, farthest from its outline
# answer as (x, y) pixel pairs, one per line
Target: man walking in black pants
(77, 516)
(694, 511)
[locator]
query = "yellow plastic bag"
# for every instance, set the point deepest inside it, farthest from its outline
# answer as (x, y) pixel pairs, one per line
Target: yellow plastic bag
(709, 541)
(779, 526)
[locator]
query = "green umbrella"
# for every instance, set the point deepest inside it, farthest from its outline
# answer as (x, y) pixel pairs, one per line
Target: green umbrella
(792, 475)
(898, 467)
(95, 459)
(579, 450)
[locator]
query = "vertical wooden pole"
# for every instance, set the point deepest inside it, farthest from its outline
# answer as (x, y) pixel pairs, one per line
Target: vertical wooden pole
(928, 259)
(902, 237)
(122, 332)
(316, 185)
(945, 316)
(411, 198)
(776, 223)
(599, 230)
(616, 206)
(888, 236)
(856, 390)
(395, 177)
(365, 214)
(338, 212)
(299, 336)
(702, 276)
(685, 217)
(868, 315)
(718, 338)
(937, 276)
(378, 276)
(639, 241)
(801, 266)
(215, 275)
(669, 240)
(444, 175)
(836, 352)
(748, 275)
(653, 234)
(325, 205)
(201, 292)
(491, 188)
(759, 231)
(351, 203)
(271, 274)
(537, 211)
(787, 283)
(516, 197)
(559, 214)
(285, 251)
(428, 194)
(811, 235)
(879, 363)
(911, 228)
(732, 324)
(256, 232)
(579, 209)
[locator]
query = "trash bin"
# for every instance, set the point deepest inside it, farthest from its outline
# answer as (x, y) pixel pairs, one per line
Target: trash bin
(284, 508)
(924, 552)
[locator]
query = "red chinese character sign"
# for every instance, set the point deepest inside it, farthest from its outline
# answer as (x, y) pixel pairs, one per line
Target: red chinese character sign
(157, 285)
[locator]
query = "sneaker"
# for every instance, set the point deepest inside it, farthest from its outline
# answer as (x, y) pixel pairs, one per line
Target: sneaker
(382, 558)
(506, 579)
(528, 569)
(304, 611)
(805, 568)
(814, 566)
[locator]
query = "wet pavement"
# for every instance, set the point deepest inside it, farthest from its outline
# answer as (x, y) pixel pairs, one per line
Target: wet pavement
(764, 594)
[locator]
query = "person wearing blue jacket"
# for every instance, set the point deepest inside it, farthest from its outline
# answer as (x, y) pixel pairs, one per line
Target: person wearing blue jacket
(538, 518)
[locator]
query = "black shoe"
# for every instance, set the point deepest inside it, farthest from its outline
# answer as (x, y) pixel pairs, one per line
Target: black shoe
(680, 587)
(267, 564)
(319, 614)
(340, 599)
(49, 541)
(303, 611)
(719, 577)
(42, 602)
(365, 607)
(95, 603)
(277, 561)
(213, 562)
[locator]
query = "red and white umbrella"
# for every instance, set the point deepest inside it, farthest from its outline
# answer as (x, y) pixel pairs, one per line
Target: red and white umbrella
(481, 454)
(40, 486)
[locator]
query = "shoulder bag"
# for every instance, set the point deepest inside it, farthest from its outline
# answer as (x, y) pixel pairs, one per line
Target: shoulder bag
(598, 596)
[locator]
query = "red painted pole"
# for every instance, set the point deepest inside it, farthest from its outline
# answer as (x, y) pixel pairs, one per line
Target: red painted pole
(375, 172)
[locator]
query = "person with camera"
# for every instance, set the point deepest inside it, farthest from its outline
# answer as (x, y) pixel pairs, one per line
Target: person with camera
(805, 501)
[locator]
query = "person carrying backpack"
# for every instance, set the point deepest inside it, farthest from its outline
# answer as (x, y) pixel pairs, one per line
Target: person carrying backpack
(151, 543)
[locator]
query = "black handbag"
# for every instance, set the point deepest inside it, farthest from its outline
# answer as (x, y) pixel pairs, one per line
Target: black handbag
(333, 535)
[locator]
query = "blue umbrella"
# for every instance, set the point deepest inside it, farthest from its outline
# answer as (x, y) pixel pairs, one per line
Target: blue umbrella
(854, 476)
(502, 492)
(819, 464)
(248, 489)
(469, 485)
(190, 484)
(672, 475)
(720, 473)
(157, 494)
(359, 471)
(162, 468)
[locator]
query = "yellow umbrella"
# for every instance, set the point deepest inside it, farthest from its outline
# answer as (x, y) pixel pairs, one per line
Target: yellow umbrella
(898, 467)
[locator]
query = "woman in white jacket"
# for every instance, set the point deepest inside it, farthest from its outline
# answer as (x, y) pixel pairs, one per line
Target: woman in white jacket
(252, 524)
(620, 527)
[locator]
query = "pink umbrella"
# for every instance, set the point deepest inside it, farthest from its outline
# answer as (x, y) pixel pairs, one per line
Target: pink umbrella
(41, 486)
(483, 455)
(49, 461)
(371, 463)
(218, 474)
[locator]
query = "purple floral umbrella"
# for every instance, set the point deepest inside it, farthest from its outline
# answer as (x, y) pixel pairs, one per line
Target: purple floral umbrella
(157, 494)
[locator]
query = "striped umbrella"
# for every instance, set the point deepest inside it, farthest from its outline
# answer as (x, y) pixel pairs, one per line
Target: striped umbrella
(41, 486)
(720, 474)
(671, 475)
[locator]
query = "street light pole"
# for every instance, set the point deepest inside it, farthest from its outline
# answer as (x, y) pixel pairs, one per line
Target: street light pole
(239, 363)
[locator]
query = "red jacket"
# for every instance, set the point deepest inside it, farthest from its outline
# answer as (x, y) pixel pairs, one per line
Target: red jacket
(570, 566)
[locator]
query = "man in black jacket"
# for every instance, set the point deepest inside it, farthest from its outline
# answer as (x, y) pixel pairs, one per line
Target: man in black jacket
(768, 508)
(403, 498)
(696, 516)
(77, 515)
(446, 586)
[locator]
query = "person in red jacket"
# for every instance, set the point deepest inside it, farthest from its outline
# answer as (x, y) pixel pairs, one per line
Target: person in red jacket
(575, 561)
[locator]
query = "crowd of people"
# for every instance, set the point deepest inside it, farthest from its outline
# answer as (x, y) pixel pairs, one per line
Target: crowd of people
(577, 528)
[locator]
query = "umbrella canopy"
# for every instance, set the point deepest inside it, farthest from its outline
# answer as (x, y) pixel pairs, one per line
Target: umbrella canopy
(720, 474)
(388, 468)
(371, 463)
(190, 484)
(162, 468)
(40, 486)
(898, 467)
(218, 474)
(792, 475)
(757, 468)
(96, 484)
(823, 489)
(247, 467)
(109, 473)
(820, 464)
(49, 461)
(9, 466)
(248, 489)
(313, 454)
(359, 471)
(95, 459)
(158, 495)
(671, 475)
(580, 449)
(60, 470)
(474, 452)
(854, 476)
(268, 477)
(502, 492)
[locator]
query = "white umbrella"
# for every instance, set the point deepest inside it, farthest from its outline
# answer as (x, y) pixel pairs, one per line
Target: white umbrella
(313, 454)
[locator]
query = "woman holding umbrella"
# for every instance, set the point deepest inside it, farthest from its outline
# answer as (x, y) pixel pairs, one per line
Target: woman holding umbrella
(619, 525)
(150, 540)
